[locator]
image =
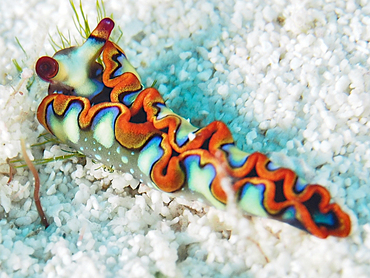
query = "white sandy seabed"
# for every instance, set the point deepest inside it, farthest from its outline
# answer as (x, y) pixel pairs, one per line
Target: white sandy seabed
(289, 78)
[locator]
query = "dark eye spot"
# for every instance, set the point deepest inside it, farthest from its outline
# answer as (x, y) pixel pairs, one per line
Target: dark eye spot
(47, 68)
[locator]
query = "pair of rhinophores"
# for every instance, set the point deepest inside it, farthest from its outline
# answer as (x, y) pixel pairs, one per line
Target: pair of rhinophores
(105, 112)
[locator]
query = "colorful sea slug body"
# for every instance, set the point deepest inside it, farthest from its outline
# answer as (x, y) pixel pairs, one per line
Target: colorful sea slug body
(105, 112)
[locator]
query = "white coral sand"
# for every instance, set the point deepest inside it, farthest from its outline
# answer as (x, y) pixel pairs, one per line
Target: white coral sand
(290, 78)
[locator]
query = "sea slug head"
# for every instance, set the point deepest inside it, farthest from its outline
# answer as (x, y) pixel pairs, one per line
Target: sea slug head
(74, 70)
